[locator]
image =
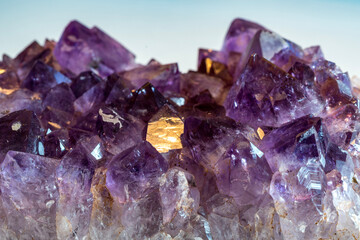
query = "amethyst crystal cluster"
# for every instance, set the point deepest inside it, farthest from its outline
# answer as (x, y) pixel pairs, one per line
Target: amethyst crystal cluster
(261, 142)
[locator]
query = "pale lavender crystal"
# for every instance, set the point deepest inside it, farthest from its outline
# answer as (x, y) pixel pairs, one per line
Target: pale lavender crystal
(223, 216)
(272, 47)
(306, 210)
(243, 173)
(74, 176)
(135, 172)
(105, 220)
(81, 49)
(179, 200)
(142, 219)
(239, 35)
(204, 180)
(91, 99)
(30, 195)
(22, 99)
(311, 54)
(342, 124)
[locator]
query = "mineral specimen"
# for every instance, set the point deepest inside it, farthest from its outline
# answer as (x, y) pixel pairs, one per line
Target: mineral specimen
(261, 142)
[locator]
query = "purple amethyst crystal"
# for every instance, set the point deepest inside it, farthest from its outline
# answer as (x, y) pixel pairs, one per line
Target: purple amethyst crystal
(74, 175)
(135, 172)
(20, 131)
(81, 49)
(30, 55)
(83, 82)
(165, 78)
(215, 56)
(42, 77)
(30, 195)
(119, 131)
(293, 144)
(58, 105)
(202, 82)
(21, 99)
(147, 102)
(91, 99)
(265, 95)
(272, 47)
(57, 143)
(262, 141)
(239, 35)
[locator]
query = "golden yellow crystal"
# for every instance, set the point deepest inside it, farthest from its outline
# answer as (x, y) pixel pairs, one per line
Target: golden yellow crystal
(164, 134)
(260, 133)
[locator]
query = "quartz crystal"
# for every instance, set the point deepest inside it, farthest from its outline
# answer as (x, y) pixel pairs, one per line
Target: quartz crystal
(262, 141)
(80, 49)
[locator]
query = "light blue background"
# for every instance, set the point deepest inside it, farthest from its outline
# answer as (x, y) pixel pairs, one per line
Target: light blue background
(173, 30)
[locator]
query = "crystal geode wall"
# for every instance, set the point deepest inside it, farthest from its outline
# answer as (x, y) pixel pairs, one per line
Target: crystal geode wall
(261, 142)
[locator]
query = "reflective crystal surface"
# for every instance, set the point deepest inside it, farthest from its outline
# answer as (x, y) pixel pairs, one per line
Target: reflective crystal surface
(261, 141)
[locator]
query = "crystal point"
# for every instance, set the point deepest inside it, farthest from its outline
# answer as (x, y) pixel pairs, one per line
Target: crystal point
(81, 49)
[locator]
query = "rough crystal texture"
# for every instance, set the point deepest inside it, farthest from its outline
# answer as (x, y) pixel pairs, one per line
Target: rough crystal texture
(261, 142)
(265, 95)
(29, 194)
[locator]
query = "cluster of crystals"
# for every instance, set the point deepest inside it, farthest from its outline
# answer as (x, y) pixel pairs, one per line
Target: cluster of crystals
(261, 142)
